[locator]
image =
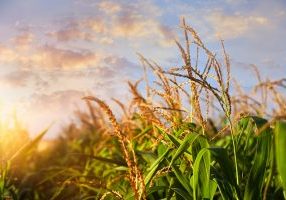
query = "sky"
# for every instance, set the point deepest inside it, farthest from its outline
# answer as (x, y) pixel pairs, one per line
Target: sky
(54, 52)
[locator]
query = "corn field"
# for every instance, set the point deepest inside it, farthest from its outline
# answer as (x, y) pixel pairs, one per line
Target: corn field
(192, 133)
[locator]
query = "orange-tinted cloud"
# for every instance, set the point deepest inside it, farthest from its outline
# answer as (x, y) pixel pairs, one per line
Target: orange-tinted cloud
(7, 55)
(134, 26)
(23, 40)
(48, 57)
(96, 24)
(85, 29)
(52, 57)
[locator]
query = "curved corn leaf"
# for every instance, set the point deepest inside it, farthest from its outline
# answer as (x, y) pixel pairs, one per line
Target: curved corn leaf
(201, 171)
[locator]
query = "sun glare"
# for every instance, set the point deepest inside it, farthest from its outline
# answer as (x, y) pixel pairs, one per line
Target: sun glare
(12, 134)
(7, 114)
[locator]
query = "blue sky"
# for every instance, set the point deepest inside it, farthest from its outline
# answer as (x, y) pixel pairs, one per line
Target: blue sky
(54, 52)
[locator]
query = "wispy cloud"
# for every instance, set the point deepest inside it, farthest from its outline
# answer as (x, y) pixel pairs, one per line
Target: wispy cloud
(233, 26)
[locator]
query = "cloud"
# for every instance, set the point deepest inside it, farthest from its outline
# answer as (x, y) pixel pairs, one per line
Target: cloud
(106, 40)
(71, 33)
(109, 7)
(235, 2)
(96, 24)
(56, 101)
(228, 19)
(133, 26)
(83, 29)
(141, 30)
(139, 21)
(126, 25)
(233, 26)
(16, 78)
(115, 21)
(111, 67)
(51, 57)
(23, 40)
(7, 55)
(120, 64)
(22, 78)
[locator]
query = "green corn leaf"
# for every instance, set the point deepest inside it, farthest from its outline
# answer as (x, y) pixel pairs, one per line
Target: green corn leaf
(155, 189)
(200, 143)
(254, 185)
(280, 150)
(176, 141)
(212, 189)
(201, 174)
(182, 179)
(227, 168)
(225, 188)
(154, 167)
(189, 139)
(143, 132)
(182, 193)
